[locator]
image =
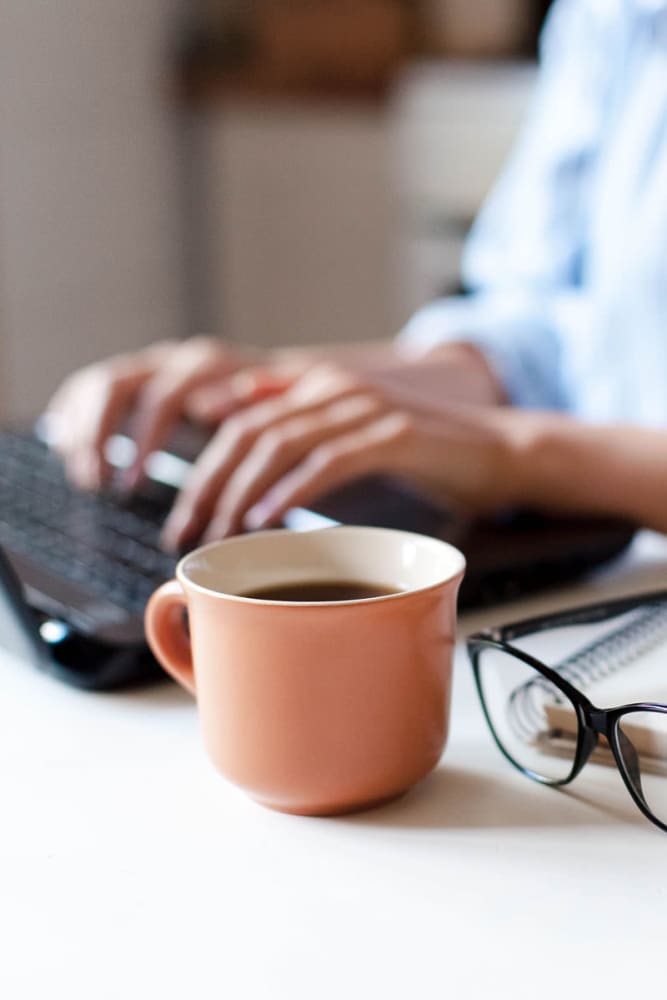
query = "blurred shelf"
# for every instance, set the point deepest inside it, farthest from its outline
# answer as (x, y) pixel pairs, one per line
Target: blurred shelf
(201, 87)
(319, 50)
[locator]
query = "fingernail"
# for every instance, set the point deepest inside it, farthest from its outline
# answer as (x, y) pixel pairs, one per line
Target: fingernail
(257, 517)
(94, 468)
(217, 530)
(84, 472)
(174, 530)
(130, 478)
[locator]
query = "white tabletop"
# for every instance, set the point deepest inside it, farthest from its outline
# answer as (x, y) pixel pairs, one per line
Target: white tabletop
(129, 868)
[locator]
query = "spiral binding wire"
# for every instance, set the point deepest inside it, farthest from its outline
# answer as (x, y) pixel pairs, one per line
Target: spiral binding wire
(629, 642)
(596, 660)
(524, 707)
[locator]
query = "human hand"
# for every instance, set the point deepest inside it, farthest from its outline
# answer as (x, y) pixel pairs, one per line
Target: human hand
(150, 387)
(328, 428)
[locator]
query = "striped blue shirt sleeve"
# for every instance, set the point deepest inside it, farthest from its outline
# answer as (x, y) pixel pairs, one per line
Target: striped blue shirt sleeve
(523, 263)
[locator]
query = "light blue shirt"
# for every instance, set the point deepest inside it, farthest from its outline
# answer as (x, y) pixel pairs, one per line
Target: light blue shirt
(567, 262)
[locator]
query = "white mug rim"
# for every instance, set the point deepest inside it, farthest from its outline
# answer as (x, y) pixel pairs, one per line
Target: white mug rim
(437, 544)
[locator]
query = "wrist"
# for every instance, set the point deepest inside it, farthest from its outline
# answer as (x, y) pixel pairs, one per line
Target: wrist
(474, 456)
(468, 371)
(529, 453)
(562, 464)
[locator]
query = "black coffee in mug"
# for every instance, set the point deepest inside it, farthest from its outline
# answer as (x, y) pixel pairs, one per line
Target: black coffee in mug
(321, 591)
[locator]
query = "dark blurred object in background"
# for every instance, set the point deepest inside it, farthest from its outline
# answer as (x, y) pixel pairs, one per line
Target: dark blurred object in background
(476, 29)
(296, 46)
(343, 47)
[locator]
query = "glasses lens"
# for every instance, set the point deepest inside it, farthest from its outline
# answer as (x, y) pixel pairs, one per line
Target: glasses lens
(533, 721)
(642, 742)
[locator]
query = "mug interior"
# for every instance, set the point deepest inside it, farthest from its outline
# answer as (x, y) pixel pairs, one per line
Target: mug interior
(399, 560)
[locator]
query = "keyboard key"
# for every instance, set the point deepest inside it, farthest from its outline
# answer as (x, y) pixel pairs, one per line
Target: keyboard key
(110, 547)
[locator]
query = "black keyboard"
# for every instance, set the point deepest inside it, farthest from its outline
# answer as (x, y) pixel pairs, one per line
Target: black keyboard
(76, 569)
(100, 543)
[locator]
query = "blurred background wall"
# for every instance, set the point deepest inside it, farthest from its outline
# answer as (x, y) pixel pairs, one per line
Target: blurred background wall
(90, 227)
(272, 170)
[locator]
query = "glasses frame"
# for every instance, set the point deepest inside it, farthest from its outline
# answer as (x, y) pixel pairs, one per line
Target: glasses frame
(593, 721)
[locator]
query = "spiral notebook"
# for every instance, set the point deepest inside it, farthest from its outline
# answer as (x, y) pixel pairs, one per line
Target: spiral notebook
(623, 664)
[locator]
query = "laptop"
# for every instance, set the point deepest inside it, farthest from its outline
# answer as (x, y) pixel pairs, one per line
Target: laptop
(76, 570)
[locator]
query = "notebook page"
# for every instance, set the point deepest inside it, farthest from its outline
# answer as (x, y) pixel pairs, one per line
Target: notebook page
(622, 665)
(643, 679)
(646, 731)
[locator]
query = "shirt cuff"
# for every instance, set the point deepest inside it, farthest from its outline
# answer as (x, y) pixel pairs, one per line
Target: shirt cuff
(520, 348)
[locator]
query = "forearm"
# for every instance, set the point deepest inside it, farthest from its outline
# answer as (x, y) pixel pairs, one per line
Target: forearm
(380, 352)
(563, 465)
(452, 372)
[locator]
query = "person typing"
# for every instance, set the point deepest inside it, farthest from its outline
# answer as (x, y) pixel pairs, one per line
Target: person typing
(544, 387)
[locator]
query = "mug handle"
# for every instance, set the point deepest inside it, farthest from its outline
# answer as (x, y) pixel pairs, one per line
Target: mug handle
(166, 634)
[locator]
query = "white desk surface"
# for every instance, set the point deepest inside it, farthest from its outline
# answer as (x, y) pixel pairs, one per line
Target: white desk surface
(129, 868)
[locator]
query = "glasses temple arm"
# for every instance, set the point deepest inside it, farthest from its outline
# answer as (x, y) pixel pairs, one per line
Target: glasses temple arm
(587, 615)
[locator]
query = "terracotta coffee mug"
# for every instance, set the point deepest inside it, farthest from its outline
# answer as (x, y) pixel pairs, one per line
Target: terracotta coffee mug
(315, 708)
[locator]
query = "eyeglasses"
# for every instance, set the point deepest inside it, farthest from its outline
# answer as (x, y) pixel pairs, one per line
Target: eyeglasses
(548, 728)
